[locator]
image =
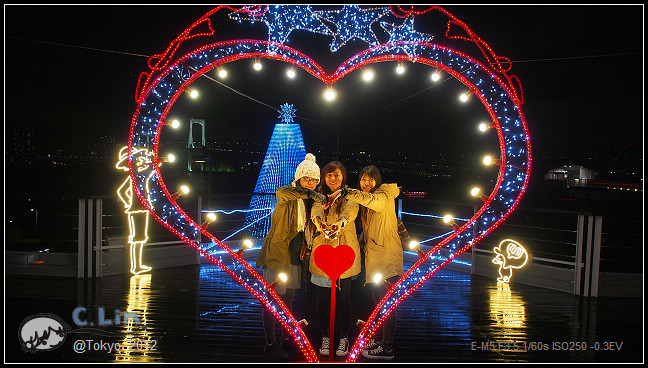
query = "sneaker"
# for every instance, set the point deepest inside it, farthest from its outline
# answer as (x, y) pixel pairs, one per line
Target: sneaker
(343, 347)
(275, 351)
(372, 344)
(379, 353)
(324, 349)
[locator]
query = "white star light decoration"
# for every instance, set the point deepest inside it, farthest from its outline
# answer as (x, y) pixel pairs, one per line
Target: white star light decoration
(287, 113)
(352, 22)
(406, 32)
(282, 20)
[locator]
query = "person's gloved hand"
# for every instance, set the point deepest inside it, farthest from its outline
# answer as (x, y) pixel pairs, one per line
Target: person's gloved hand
(319, 197)
(342, 192)
(331, 199)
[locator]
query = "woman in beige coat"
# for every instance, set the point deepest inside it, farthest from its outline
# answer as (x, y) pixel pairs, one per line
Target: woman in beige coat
(383, 250)
(341, 214)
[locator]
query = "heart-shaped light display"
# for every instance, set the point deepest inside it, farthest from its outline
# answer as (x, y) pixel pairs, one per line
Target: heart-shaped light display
(159, 88)
(334, 261)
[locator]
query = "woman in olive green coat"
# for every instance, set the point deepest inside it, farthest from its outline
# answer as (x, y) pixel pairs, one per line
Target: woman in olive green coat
(281, 248)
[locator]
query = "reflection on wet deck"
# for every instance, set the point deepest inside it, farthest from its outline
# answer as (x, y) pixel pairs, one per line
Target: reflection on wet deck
(198, 314)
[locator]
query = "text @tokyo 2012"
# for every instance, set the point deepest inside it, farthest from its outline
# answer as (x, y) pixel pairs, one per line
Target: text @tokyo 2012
(526, 346)
(88, 345)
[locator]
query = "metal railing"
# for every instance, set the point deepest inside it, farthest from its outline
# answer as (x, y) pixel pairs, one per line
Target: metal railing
(572, 243)
(581, 243)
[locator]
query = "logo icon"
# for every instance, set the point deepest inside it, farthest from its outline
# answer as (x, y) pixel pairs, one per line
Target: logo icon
(42, 332)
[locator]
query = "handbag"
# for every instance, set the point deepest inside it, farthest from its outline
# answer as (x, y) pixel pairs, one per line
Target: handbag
(305, 250)
(404, 235)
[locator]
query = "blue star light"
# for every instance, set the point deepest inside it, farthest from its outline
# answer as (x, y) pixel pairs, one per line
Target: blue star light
(406, 32)
(283, 19)
(352, 22)
(287, 113)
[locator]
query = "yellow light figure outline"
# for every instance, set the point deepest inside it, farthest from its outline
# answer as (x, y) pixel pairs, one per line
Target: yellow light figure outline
(516, 257)
(138, 215)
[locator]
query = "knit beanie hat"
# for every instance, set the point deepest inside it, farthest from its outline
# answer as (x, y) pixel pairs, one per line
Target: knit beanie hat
(308, 168)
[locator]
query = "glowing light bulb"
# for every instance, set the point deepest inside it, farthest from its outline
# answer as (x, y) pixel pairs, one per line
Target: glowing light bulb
(170, 158)
(368, 75)
(175, 123)
(283, 277)
(247, 244)
(211, 217)
(415, 246)
(484, 127)
(400, 69)
(488, 160)
(436, 76)
(329, 95)
(291, 73)
(378, 278)
(447, 219)
(222, 73)
(476, 192)
(184, 189)
(464, 97)
(257, 65)
(193, 93)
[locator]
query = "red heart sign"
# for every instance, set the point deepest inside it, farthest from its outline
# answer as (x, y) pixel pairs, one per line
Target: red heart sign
(334, 261)
(499, 93)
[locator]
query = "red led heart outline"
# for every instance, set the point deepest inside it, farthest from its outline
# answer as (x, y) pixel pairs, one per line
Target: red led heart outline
(159, 89)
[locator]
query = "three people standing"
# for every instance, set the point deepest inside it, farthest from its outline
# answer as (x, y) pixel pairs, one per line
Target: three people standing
(334, 206)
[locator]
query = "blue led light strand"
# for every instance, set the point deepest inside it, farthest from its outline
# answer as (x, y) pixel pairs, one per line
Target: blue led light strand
(282, 20)
(285, 151)
(351, 23)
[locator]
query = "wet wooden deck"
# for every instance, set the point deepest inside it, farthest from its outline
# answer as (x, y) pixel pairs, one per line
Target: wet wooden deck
(198, 314)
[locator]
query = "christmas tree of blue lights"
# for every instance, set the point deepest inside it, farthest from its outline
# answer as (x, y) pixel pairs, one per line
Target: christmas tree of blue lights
(285, 151)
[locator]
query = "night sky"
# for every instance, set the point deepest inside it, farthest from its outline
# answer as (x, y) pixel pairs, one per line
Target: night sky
(70, 70)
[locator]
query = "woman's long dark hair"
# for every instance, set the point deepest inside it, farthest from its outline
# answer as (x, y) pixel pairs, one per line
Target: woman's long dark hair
(329, 168)
(324, 189)
(373, 173)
